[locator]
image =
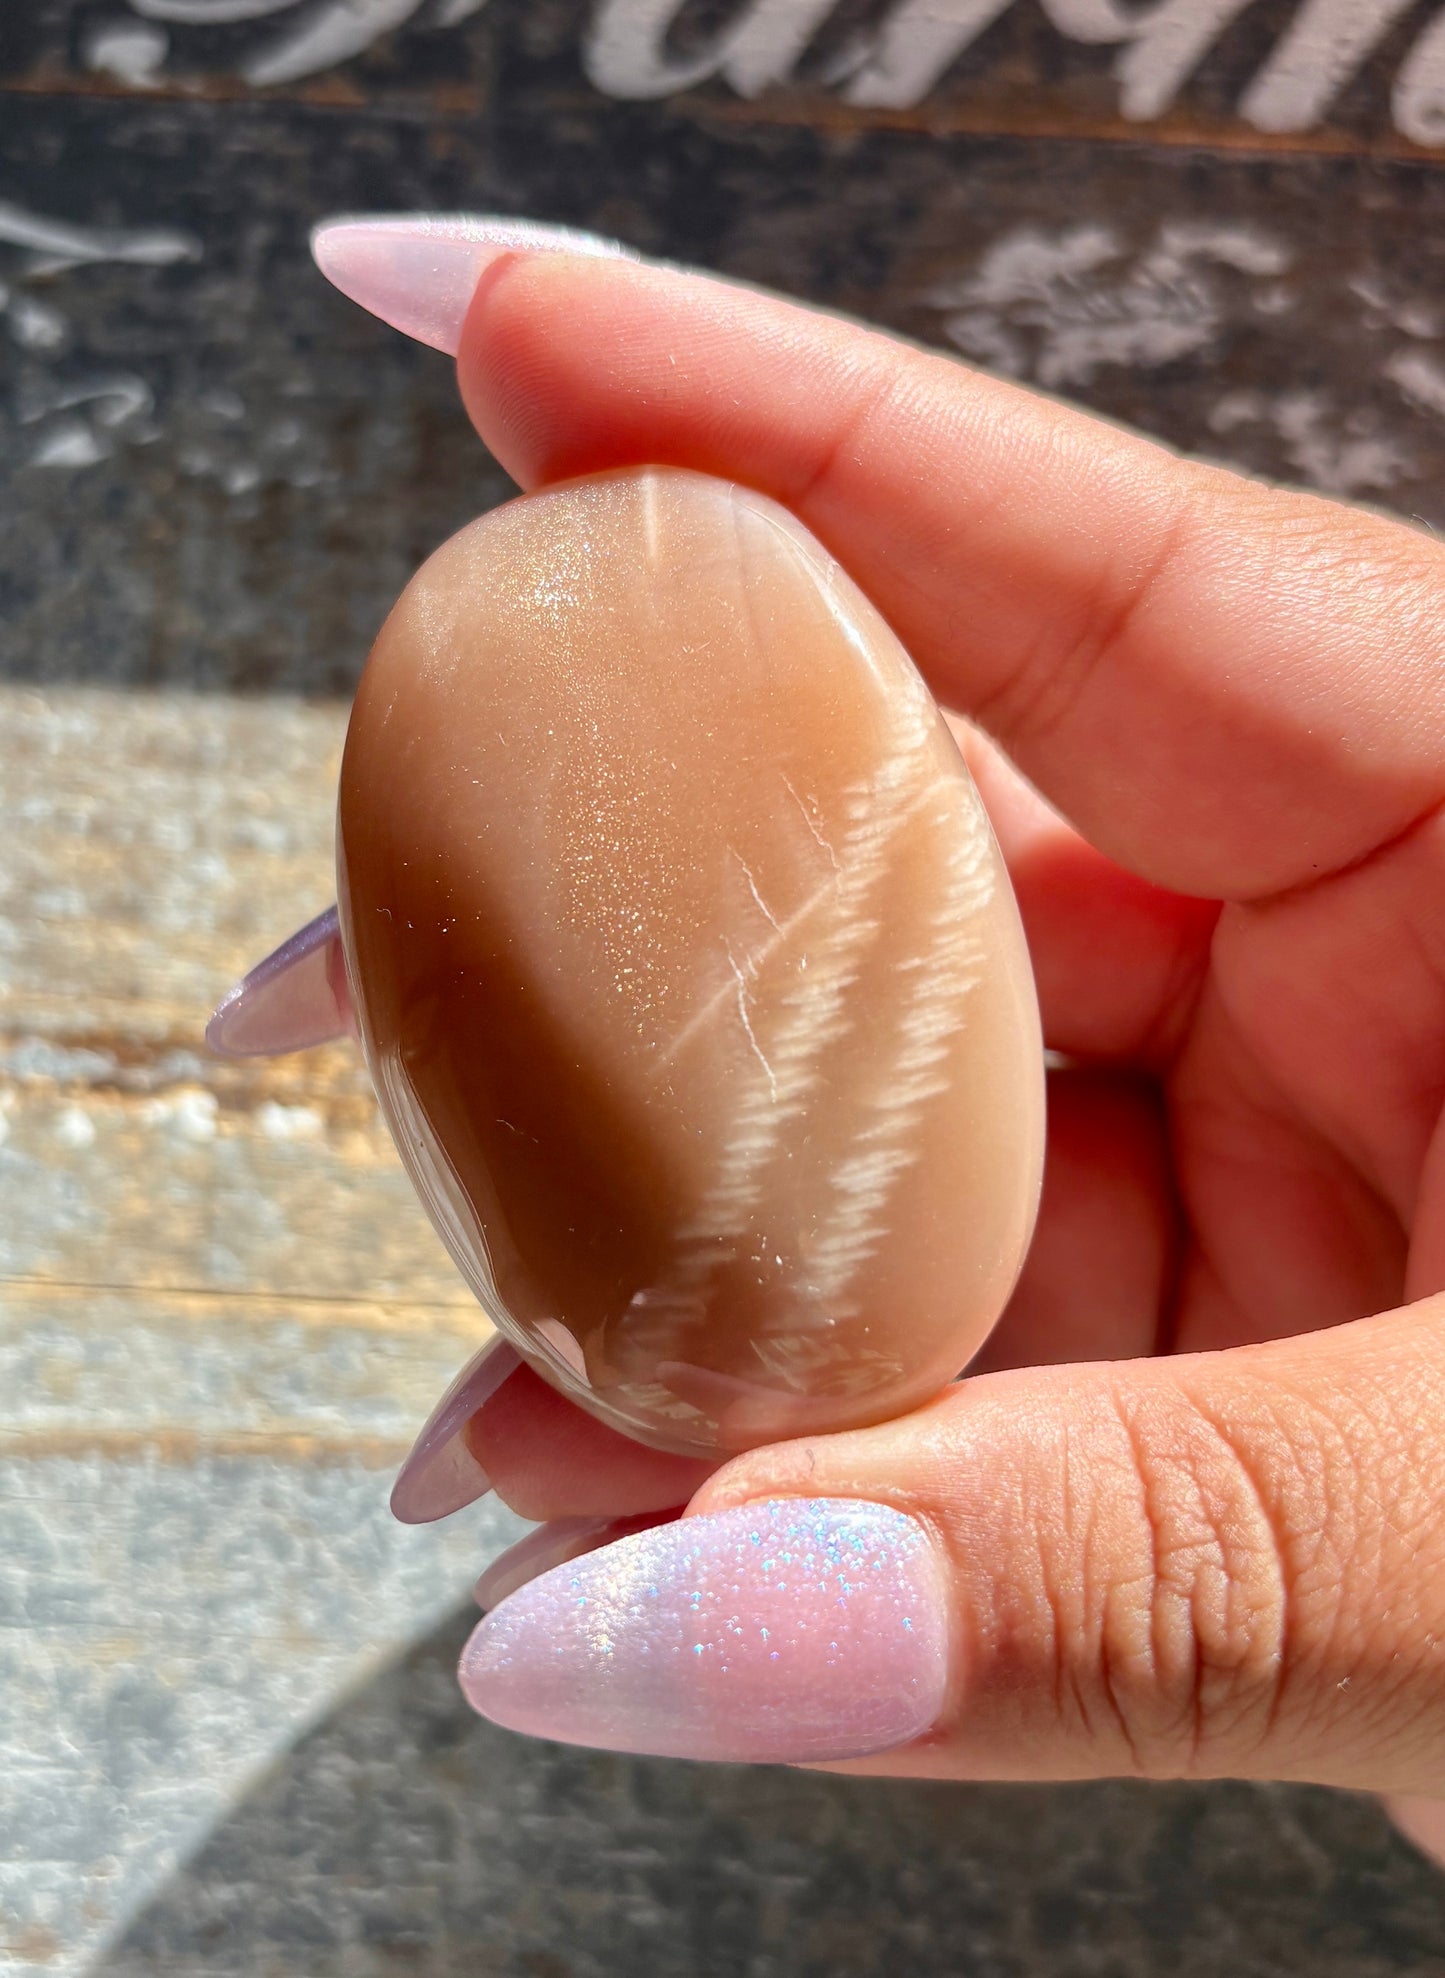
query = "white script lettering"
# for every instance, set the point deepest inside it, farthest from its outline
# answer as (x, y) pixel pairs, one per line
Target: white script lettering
(896, 64)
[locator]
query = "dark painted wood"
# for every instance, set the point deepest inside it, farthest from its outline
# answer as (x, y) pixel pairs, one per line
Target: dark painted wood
(215, 472)
(1255, 71)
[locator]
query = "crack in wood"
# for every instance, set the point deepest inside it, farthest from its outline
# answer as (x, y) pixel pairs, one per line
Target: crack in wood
(181, 1445)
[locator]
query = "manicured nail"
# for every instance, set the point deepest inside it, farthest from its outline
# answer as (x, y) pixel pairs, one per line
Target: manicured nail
(295, 998)
(419, 271)
(554, 1544)
(785, 1632)
(441, 1475)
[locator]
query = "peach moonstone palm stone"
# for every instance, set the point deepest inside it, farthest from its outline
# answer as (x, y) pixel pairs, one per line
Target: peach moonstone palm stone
(687, 967)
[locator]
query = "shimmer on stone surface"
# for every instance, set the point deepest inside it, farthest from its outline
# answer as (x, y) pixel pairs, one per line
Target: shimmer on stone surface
(686, 964)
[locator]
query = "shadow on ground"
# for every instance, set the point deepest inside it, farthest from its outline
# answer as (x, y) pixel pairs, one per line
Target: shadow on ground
(403, 1836)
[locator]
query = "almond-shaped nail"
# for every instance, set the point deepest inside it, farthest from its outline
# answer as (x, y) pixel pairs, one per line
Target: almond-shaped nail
(554, 1544)
(419, 271)
(297, 997)
(441, 1475)
(793, 1631)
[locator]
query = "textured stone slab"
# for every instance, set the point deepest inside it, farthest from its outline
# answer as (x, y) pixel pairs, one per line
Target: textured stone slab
(402, 1835)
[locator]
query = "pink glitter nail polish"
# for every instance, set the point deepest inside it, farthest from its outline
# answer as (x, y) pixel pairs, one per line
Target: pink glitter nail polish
(555, 1544)
(789, 1631)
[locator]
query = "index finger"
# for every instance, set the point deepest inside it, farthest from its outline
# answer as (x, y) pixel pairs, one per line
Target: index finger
(1230, 688)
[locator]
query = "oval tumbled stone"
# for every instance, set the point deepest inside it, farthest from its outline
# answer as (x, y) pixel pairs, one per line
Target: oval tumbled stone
(687, 968)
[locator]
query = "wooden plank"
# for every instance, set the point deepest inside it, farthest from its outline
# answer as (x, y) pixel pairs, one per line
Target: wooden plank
(122, 1369)
(222, 1313)
(159, 844)
(195, 1188)
(217, 474)
(1262, 72)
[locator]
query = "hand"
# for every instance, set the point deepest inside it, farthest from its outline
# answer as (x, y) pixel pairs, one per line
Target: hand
(1218, 1545)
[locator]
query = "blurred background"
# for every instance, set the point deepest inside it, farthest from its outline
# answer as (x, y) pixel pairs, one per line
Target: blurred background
(230, 1745)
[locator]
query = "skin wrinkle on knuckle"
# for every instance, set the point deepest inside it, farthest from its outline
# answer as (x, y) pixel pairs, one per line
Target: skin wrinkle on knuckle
(1186, 1597)
(1359, 556)
(1358, 1528)
(1186, 1580)
(1083, 1679)
(1321, 549)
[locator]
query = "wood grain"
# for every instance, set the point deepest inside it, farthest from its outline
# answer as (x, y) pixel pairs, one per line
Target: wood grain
(198, 1253)
(222, 1314)
(217, 475)
(1300, 74)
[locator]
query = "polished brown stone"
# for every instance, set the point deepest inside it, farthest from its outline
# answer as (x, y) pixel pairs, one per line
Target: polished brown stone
(688, 971)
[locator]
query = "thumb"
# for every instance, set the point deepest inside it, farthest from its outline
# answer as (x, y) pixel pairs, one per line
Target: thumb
(1221, 1564)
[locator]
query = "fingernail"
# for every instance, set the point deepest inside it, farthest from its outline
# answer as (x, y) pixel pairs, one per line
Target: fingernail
(785, 1632)
(441, 1475)
(295, 998)
(419, 271)
(553, 1544)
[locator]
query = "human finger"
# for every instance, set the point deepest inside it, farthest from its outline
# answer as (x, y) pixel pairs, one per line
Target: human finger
(1228, 688)
(1220, 1565)
(548, 1459)
(1093, 1287)
(1098, 1278)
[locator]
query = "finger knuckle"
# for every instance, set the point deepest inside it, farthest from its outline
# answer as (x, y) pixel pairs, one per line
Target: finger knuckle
(1195, 1561)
